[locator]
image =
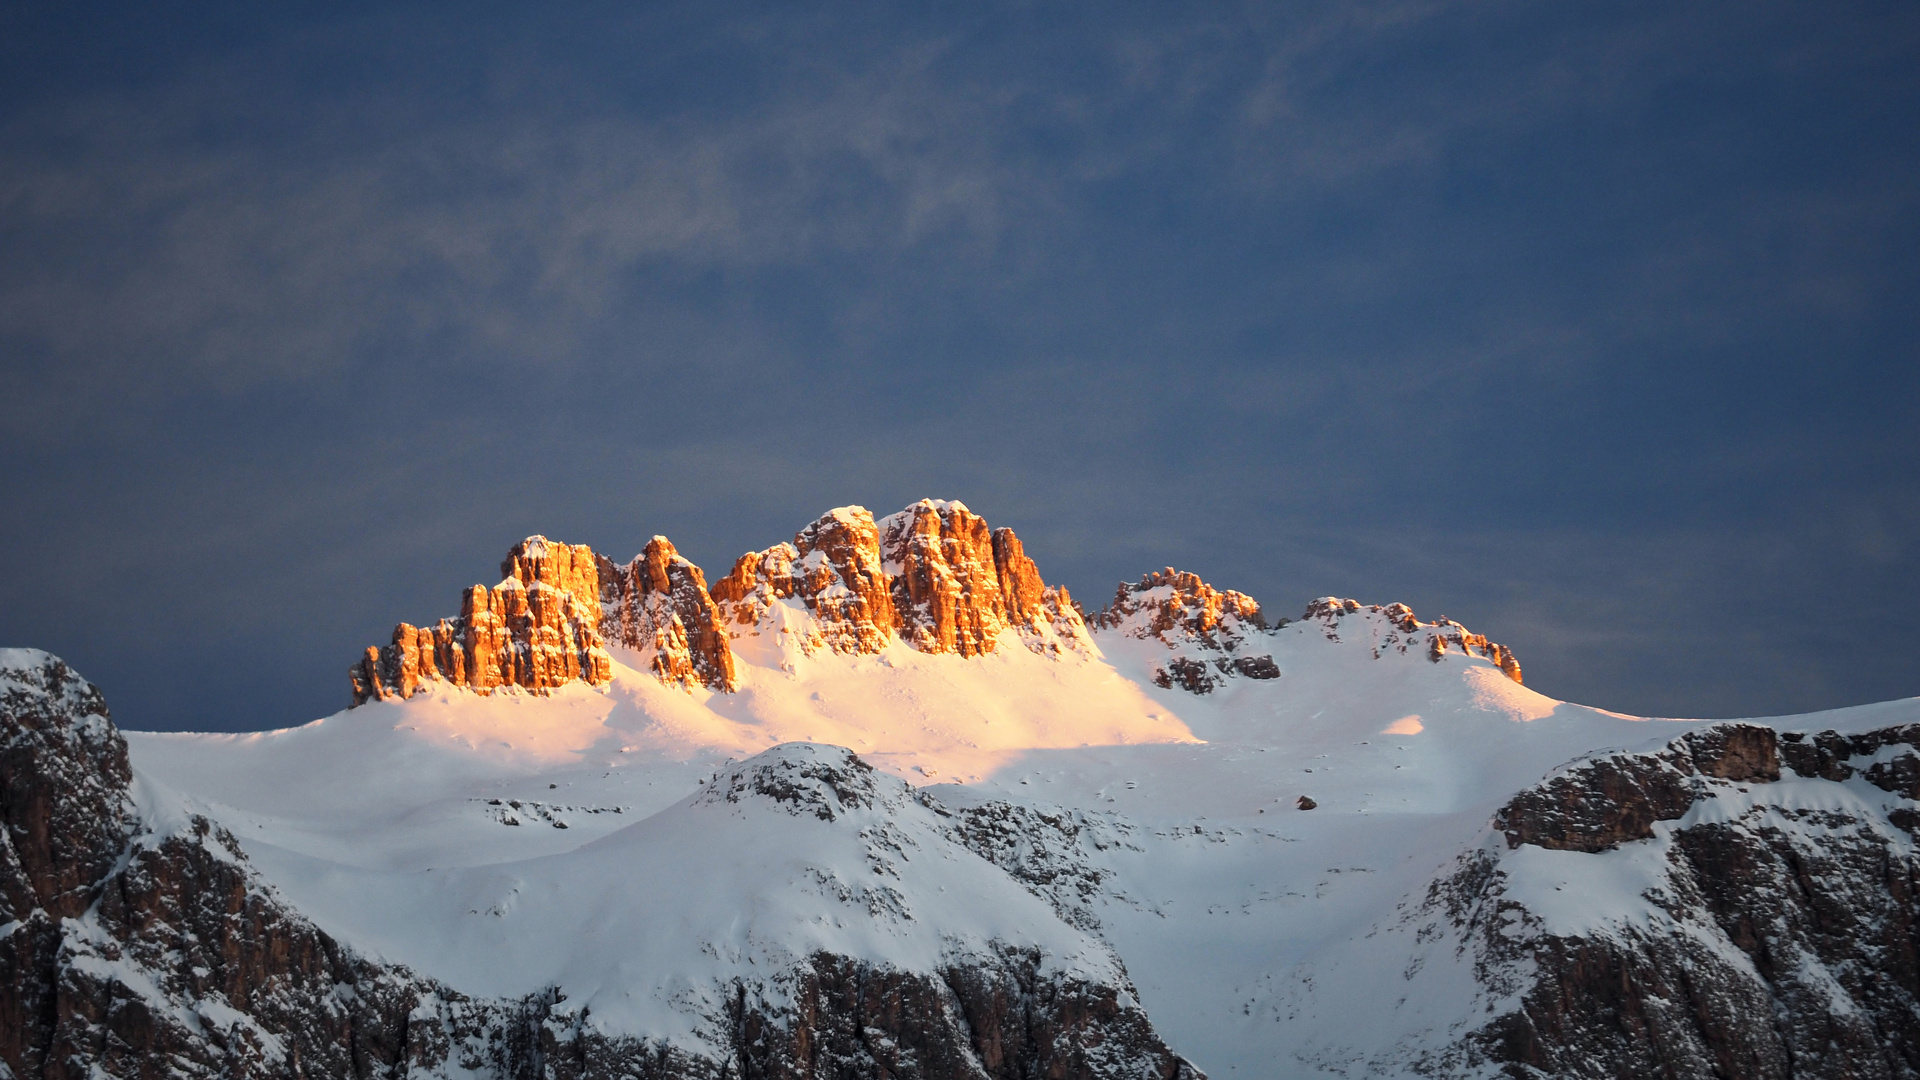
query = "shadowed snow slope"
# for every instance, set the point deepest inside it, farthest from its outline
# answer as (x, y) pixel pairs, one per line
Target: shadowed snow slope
(799, 850)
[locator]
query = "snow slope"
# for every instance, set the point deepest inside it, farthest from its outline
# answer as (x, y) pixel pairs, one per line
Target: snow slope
(507, 842)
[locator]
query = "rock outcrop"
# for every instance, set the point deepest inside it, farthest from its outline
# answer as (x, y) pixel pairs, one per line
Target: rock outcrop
(933, 575)
(1214, 634)
(132, 947)
(539, 628)
(947, 589)
(833, 569)
(1052, 850)
(1616, 799)
(1394, 628)
(547, 623)
(1778, 935)
(132, 950)
(658, 605)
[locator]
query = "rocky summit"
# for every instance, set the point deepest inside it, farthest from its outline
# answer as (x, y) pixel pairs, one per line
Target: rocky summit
(881, 802)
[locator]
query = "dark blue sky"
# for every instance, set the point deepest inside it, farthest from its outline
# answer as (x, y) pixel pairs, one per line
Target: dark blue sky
(1595, 327)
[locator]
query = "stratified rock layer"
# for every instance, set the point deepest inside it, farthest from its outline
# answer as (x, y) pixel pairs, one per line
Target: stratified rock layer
(1780, 939)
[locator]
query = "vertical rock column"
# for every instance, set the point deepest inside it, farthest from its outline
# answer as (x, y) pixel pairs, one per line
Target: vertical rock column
(946, 584)
(659, 604)
(538, 629)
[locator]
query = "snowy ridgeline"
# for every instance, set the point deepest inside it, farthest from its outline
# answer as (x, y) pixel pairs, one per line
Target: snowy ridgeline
(933, 578)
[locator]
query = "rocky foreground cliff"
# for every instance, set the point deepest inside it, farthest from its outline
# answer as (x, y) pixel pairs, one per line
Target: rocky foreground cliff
(1744, 903)
(136, 940)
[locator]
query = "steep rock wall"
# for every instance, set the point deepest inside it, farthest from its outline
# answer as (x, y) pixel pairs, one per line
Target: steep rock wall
(933, 575)
(539, 628)
(658, 604)
(1779, 938)
(548, 622)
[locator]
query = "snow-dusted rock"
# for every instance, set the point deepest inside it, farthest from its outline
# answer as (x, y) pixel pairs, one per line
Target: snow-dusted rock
(538, 629)
(1699, 912)
(658, 605)
(958, 584)
(1394, 628)
(136, 941)
(1212, 634)
(833, 569)
(64, 809)
(933, 575)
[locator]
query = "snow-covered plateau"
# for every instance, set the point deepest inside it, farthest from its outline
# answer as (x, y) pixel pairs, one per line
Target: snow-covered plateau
(881, 803)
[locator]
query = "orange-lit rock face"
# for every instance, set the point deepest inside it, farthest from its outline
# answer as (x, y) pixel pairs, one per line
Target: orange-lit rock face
(538, 629)
(833, 568)
(1214, 634)
(946, 584)
(932, 575)
(658, 604)
(1170, 604)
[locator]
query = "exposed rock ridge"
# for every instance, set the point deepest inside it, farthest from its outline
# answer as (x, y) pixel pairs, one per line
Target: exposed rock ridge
(539, 628)
(1779, 937)
(1616, 799)
(804, 778)
(833, 568)
(1215, 634)
(658, 605)
(64, 809)
(933, 575)
(1393, 627)
(131, 952)
(548, 621)
(176, 960)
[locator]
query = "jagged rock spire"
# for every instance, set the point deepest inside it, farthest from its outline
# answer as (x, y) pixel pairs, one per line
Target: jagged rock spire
(933, 575)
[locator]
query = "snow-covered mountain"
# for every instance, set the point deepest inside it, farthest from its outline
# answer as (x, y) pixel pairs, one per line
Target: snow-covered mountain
(880, 802)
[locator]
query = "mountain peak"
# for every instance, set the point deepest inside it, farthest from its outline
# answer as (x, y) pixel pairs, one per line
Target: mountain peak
(805, 778)
(1214, 634)
(933, 575)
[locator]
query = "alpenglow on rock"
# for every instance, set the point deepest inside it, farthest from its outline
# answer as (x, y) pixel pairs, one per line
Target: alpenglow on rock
(1214, 634)
(934, 576)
